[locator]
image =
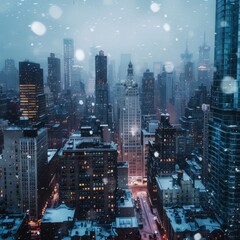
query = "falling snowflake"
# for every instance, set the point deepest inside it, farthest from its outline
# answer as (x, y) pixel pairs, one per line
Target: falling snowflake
(38, 28)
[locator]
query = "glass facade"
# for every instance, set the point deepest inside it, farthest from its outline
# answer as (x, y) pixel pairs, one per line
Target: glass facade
(224, 126)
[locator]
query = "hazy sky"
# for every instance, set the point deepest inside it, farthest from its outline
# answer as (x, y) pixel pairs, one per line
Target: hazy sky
(149, 30)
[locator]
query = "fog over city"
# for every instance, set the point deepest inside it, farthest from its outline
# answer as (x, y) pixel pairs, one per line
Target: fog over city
(148, 30)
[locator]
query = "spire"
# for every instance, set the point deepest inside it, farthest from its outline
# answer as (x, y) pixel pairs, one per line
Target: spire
(204, 38)
(186, 56)
(130, 69)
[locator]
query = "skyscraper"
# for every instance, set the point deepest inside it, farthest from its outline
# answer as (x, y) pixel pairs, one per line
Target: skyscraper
(54, 76)
(32, 98)
(101, 87)
(131, 127)
(68, 55)
(24, 162)
(204, 73)
(162, 154)
(224, 126)
(187, 76)
(148, 93)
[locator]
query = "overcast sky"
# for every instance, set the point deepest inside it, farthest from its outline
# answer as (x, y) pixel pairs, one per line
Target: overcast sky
(149, 30)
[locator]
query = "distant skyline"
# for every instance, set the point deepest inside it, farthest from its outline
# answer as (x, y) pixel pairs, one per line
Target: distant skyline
(149, 30)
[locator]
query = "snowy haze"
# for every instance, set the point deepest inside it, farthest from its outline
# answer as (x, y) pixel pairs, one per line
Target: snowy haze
(149, 30)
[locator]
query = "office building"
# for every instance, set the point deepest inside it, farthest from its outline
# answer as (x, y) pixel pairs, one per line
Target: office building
(130, 129)
(32, 98)
(224, 126)
(68, 61)
(101, 88)
(147, 98)
(54, 76)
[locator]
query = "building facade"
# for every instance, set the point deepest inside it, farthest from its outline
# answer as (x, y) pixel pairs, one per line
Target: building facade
(88, 176)
(147, 98)
(68, 60)
(101, 88)
(162, 155)
(131, 127)
(54, 76)
(24, 162)
(32, 97)
(224, 126)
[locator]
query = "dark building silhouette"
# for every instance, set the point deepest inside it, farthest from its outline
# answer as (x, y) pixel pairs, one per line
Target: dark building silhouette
(101, 87)
(148, 93)
(187, 76)
(193, 119)
(32, 97)
(162, 154)
(54, 76)
(224, 126)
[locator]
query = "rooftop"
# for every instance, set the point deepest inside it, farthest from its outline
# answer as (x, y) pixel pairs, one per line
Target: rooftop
(126, 222)
(167, 182)
(126, 200)
(9, 225)
(58, 215)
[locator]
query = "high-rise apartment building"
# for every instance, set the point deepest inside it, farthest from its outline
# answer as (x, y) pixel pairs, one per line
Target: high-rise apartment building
(24, 170)
(148, 93)
(54, 76)
(224, 126)
(162, 154)
(68, 60)
(32, 98)
(101, 87)
(88, 175)
(131, 127)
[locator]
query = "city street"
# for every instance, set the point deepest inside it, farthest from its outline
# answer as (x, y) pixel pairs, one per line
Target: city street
(148, 219)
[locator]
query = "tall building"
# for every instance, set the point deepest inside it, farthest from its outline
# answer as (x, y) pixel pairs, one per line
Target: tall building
(10, 75)
(147, 93)
(131, 127)
(166, 88)
(206, 116)
(101, 87)
(32, 98)
(54, 76)
(68, 60)
(193, 119)
(204, 67)
(162, 154)
(224, 126)
(3, 103)
(187, 76)
(24, 162)
(88, 175)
